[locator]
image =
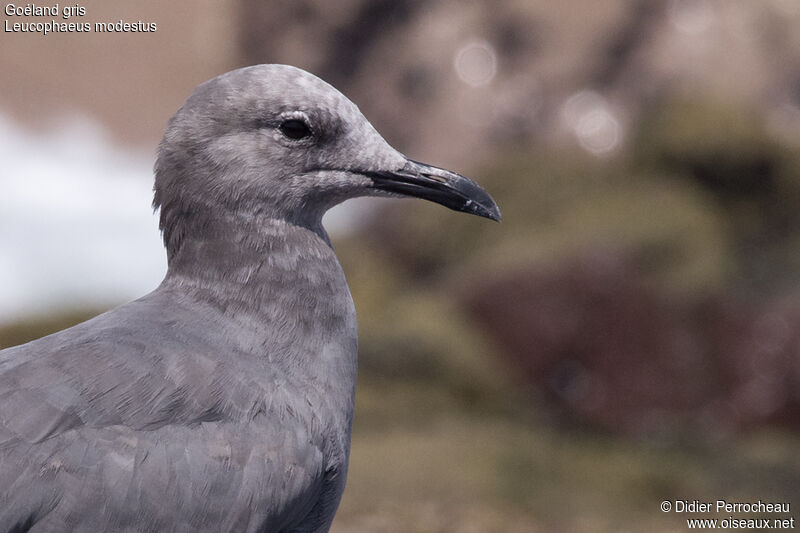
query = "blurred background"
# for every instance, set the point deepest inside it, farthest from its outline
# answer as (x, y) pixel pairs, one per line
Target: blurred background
(631, 331)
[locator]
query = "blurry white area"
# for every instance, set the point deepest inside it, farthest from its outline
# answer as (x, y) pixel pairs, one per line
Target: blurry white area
(593, 122)
(476, 63)
(76, 226)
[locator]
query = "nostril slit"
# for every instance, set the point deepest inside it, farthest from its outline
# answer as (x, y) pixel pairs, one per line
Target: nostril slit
(435, 178)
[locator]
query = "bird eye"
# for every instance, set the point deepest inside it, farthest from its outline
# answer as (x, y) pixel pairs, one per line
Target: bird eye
(295, 129)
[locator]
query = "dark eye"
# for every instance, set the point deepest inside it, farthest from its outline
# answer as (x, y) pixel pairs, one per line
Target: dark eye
(295, 129)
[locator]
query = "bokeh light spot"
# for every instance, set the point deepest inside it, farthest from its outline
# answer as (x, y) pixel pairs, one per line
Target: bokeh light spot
(475, 63)
(691, 17)
(595, 125)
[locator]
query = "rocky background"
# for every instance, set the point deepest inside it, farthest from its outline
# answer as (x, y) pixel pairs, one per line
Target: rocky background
(631, 331)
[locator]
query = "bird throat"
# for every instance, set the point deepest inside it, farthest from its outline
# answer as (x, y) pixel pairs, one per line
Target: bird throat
(258, 268)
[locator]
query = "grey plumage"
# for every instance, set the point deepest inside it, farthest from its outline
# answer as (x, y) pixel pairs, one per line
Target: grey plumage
(223, 400)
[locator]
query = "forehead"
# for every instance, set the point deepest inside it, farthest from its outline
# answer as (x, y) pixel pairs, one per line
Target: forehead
(270, 89)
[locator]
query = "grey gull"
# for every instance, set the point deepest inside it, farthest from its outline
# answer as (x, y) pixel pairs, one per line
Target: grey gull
(222, 400)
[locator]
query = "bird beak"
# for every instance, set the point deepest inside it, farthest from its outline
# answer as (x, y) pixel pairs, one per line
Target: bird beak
(437, 185)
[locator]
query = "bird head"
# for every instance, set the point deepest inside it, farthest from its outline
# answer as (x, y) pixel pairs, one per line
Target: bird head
(276, 141)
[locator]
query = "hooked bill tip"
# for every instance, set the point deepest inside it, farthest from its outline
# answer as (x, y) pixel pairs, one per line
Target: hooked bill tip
(438, 185)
